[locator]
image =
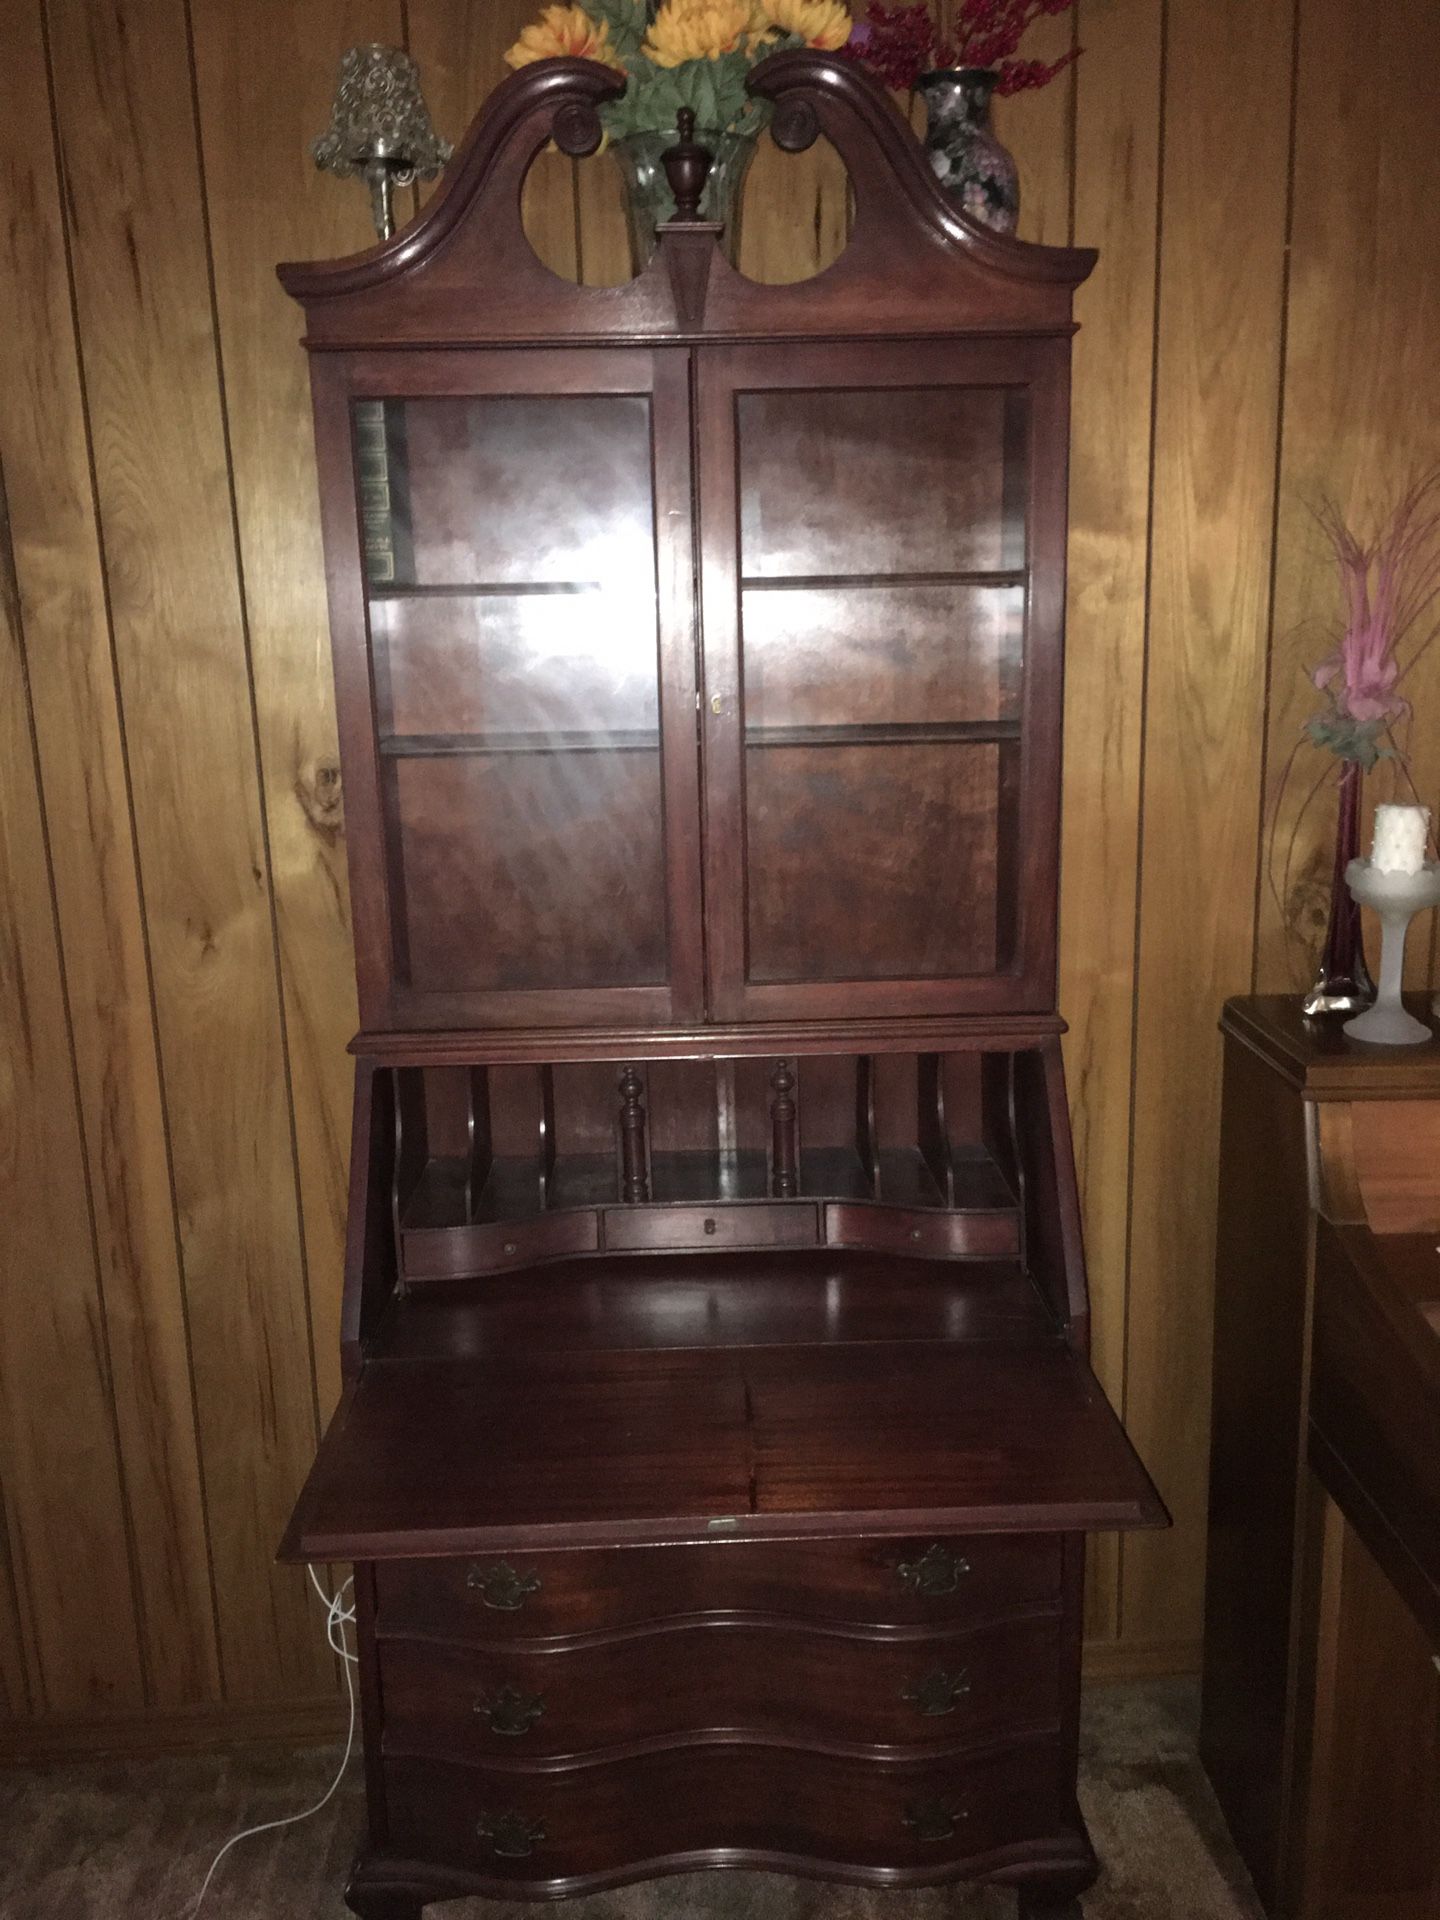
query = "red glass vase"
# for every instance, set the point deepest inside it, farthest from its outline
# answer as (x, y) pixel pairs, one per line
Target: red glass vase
(1343, 984)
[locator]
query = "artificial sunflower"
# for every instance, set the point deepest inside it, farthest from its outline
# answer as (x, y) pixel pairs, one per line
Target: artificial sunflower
(684, 53)
(826, 24)
(563, 32)
(697, 30)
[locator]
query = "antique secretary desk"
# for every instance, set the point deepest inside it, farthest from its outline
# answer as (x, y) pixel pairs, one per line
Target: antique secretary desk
(718, 1443)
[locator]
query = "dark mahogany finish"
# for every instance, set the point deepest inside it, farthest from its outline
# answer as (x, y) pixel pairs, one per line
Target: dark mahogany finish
(590, 1822)
(718, 1441)
(1314, 1129)
(1366, 1806)
(1375, 1400)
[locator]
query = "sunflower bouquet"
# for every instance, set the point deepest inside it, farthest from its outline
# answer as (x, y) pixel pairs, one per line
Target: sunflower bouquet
(682, 53)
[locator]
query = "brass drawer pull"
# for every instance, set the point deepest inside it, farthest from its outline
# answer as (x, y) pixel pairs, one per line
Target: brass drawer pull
(501, 1587)
(938, 1692)
(934, 1820)
(510, 1712)
(939, 1570)
(511, 1835)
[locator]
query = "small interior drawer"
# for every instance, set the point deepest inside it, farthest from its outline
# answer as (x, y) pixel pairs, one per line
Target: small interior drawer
(449, 1253)
(903, 1230)
(788, 1223)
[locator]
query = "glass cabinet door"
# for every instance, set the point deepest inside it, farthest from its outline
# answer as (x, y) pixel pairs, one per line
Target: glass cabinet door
(879, 679)
(528, 659)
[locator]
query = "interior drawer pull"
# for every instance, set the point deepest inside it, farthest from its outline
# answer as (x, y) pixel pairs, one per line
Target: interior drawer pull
(938, 1692)
(510, 1712)
(511, 1835)
(501, 1587)
(933, 1819)
(939, 1570)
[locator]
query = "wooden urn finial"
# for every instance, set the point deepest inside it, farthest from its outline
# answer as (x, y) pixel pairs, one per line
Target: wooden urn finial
(687, 167)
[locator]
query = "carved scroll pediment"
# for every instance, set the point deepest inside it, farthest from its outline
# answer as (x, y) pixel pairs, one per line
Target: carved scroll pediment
(464, 272)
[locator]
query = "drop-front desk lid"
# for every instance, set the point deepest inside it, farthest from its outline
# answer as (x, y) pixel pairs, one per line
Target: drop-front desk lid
(500, 1448)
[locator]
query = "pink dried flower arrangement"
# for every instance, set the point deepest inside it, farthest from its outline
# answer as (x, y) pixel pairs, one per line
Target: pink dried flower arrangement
(1388, 584)
(901, 43)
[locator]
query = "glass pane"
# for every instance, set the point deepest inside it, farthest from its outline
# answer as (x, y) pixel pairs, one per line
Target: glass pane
(510, 553)
(883, 550)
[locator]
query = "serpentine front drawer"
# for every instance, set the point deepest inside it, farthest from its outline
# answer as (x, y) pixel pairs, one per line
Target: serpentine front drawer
(969, 1581)
(810, 1684)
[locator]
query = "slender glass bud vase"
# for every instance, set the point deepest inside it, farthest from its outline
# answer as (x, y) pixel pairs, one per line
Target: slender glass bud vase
(1397, 898)
(1343, 984)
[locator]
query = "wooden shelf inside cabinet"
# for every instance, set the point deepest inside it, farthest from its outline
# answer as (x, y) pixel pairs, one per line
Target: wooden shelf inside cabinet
(647, 739)
(399, 746)
(895, 734)
(858, 582)
(480, 589)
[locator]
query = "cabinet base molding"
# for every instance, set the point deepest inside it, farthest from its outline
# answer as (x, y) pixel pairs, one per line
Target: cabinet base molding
(1049, 1876)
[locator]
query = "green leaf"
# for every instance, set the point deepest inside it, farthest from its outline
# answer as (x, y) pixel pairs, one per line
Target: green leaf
(626, 20)
(731, 99)
(707, 112)
(651, 103)
(1348, 739)
(714, 90)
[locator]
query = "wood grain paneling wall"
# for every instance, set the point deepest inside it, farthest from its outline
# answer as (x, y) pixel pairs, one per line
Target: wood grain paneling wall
(1263, 182)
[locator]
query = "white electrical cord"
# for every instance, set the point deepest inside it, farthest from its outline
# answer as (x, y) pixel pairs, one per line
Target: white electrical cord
(337, 1617)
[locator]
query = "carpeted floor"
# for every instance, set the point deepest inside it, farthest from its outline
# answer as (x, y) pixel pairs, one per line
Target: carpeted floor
(122, 1839)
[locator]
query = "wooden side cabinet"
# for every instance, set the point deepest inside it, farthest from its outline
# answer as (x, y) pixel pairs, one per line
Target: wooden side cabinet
(718, 1442)
(1319, 1137)
(1366, 1838)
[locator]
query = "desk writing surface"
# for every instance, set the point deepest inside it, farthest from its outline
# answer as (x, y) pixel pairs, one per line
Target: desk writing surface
(578, 1448)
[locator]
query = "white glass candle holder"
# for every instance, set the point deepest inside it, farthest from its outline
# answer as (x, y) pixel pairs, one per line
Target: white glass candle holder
(1396, 898)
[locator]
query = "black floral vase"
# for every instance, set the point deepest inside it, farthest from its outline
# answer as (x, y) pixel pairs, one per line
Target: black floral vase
(968, 161)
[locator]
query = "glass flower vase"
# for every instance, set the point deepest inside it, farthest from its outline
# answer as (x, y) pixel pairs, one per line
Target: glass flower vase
(1343, 984)
(649, 202)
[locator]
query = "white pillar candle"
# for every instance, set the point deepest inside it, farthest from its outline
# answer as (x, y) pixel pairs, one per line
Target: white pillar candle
(1400, 836)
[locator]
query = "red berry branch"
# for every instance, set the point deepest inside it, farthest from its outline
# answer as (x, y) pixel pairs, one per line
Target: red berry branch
(898, 44)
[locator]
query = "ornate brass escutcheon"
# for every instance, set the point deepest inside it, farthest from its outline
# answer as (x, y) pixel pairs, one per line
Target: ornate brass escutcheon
(932, 1820)
(938, 1692)
(511, 1835)
(939, 1570)
(501, 1586)
(509, 1711)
